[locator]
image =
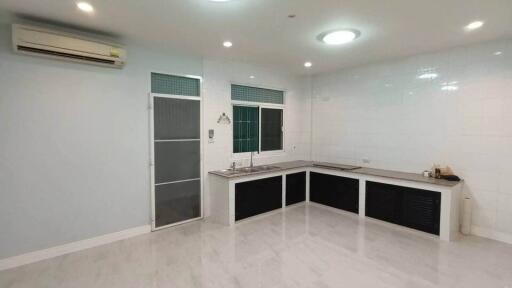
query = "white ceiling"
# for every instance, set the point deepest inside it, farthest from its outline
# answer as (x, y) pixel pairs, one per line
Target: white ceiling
(262, 32)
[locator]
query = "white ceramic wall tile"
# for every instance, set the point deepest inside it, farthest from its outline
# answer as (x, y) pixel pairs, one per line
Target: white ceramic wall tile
(385, 114)
(218, 77)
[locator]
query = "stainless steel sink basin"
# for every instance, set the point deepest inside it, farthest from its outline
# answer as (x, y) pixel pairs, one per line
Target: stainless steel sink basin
(230, 172)
(245, 170)
(261, 168)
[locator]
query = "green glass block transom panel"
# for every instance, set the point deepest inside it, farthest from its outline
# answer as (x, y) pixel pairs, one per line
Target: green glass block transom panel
(174, 85)
(253, 94)
(245, 129)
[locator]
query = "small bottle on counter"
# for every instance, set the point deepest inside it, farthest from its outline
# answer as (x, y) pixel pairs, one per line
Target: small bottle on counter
(437, 173)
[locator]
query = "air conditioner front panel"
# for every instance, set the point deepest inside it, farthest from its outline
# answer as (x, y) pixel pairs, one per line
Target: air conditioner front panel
(34, 41)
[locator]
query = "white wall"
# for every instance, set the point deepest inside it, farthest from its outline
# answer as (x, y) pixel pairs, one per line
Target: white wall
(74, 146)
(74, 143)
(385, 114)
(218, 76)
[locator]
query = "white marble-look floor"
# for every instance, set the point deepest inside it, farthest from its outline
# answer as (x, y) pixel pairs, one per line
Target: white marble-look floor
(303, 246)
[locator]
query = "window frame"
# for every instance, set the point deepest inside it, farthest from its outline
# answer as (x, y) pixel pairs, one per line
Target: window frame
(260, 105)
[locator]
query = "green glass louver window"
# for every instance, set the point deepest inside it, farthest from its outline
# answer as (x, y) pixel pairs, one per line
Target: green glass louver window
(253, 94)
(174, 85)
(245, 129)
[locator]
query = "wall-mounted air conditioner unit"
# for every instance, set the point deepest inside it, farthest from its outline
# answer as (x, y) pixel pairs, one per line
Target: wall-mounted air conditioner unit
(43, 42)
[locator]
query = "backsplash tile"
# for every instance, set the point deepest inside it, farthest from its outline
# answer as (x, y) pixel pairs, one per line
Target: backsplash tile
(385, 114)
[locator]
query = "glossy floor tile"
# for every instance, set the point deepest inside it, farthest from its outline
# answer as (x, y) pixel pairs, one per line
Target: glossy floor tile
(304, 246)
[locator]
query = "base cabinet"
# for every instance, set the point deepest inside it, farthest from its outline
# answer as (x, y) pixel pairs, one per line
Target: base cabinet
(409, 207)
(295, 188)
(334, 191)
(258, 196)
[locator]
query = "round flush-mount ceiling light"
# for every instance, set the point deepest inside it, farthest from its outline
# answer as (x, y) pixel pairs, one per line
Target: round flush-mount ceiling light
(474, 25)
(308, 64)
(339, 36)
(227, 44)
(85, 7)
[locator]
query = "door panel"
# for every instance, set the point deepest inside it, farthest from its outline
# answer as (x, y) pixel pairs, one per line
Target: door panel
(177, 202)
(410, 207)
(295, 188)
(258, 196)
(335, 191)
(382, 202)
(176, 119)
(177, 160)
(421, 210)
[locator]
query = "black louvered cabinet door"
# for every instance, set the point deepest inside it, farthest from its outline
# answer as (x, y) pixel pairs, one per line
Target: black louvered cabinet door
(421, 210)
(334, 191)
(383, 202)
(410, 207)
(295, 188)
(258, 196)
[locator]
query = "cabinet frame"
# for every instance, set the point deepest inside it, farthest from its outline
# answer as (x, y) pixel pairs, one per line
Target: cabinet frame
(222, 189)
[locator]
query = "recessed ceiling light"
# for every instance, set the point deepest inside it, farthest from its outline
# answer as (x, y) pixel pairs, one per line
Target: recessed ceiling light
(308, 64)
(474, 25)
(498, 53)
(252, 77)
(339, 37)
(219, 0)
(450, 88)
(429, 76)
(227, 44)
(84, 6)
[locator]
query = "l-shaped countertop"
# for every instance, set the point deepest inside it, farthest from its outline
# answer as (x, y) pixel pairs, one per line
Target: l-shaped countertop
(283, 166)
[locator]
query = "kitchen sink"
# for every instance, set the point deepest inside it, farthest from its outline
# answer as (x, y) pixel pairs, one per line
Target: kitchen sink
(259, 168)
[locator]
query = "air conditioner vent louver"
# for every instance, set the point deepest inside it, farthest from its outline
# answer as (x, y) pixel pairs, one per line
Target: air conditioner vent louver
(66, 55)
(47, 43)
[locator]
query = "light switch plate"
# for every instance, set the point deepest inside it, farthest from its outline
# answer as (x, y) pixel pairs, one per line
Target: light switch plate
(211, 136)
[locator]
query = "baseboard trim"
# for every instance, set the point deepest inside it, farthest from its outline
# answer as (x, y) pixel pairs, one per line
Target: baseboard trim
(52, 252)
(491, 234)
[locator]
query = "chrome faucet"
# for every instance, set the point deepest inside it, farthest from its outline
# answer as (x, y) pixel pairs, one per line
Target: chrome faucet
(252, 154)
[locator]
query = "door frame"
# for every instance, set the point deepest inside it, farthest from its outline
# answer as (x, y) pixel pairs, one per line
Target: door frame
(151, 97)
